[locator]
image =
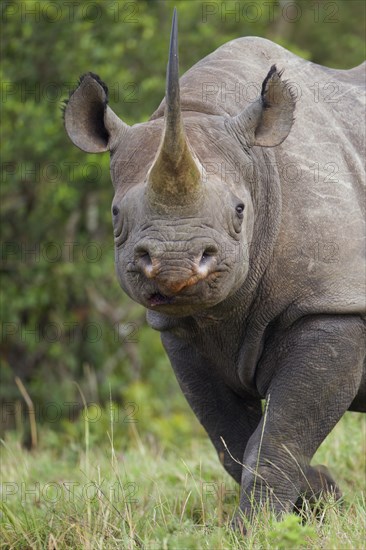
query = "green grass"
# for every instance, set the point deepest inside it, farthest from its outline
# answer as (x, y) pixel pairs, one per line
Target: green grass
(146, 495)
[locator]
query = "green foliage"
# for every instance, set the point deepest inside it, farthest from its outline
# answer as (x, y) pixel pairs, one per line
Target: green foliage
(61, 304)
(290, 533)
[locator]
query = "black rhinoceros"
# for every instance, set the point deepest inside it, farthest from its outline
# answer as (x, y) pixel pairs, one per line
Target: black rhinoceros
(242, 234)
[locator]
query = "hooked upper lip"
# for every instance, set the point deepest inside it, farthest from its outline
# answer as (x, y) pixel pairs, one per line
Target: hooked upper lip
(154, 296)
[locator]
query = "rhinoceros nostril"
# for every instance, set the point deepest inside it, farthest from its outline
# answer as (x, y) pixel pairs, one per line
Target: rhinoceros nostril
(145, 259)
(207, 259)
(208, 253)
(142, 253)
(144, 262)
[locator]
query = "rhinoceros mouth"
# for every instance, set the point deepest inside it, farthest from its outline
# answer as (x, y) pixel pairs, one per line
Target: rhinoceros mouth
(158, 299)
(189, 298)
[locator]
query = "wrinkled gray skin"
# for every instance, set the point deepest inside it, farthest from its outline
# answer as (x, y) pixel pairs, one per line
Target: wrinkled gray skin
(263, 304)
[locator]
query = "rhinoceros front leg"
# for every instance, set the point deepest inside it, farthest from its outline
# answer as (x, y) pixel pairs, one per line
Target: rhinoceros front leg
(315, 372)
(317, 482)
(223, 414)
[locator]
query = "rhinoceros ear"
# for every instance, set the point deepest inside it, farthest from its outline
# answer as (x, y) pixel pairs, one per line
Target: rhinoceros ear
(268, 120)
(90, 123)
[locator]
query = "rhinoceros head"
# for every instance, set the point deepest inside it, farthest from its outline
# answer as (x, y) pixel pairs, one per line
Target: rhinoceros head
(182, 233)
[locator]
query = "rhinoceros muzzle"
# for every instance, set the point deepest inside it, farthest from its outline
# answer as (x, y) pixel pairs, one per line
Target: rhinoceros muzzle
(170, 278)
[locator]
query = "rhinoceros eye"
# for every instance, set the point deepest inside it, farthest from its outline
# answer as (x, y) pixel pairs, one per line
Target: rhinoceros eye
(115, 210)
(240, 209)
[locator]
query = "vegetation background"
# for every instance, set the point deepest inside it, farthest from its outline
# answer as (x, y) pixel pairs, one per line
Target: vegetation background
(68, 332)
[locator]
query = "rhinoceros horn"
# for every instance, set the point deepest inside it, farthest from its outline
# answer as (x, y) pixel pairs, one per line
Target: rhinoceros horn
(174, 178)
